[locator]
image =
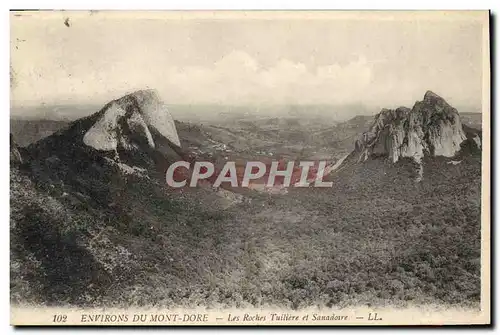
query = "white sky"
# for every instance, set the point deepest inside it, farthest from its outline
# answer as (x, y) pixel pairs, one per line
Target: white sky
(326, 59)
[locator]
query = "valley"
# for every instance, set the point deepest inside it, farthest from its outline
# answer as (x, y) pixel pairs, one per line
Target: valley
(85, 233)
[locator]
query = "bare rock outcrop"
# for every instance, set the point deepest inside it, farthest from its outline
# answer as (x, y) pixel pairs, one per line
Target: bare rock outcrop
(432, 127)
(130, 120)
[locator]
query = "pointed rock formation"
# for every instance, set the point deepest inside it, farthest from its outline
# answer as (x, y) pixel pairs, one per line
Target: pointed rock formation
(136, 129)
(432, 127)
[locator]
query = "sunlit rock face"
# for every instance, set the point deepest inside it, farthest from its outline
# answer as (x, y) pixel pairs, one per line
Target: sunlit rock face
(432, 127)
(129, 122)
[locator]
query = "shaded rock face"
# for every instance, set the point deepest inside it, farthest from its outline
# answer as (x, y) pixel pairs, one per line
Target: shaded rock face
(15, 154)
(432, 127)
(130, 122)
(473, 143)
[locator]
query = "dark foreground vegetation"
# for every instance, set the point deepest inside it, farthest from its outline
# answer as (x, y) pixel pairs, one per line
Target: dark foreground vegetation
(376, 238)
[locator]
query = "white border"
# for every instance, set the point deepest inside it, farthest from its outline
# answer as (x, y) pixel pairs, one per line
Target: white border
(177, 5)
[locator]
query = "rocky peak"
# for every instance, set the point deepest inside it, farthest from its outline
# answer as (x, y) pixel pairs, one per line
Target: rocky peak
(431, 97)
(131, 121)
(431, 128)
(133, 132)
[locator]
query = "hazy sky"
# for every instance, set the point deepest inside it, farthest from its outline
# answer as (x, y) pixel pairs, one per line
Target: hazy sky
(220, 58)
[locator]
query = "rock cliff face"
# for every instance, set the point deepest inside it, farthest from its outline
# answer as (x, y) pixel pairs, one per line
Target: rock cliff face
(130, 120)
(136, 130)
(432, 127)
(15, 154)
